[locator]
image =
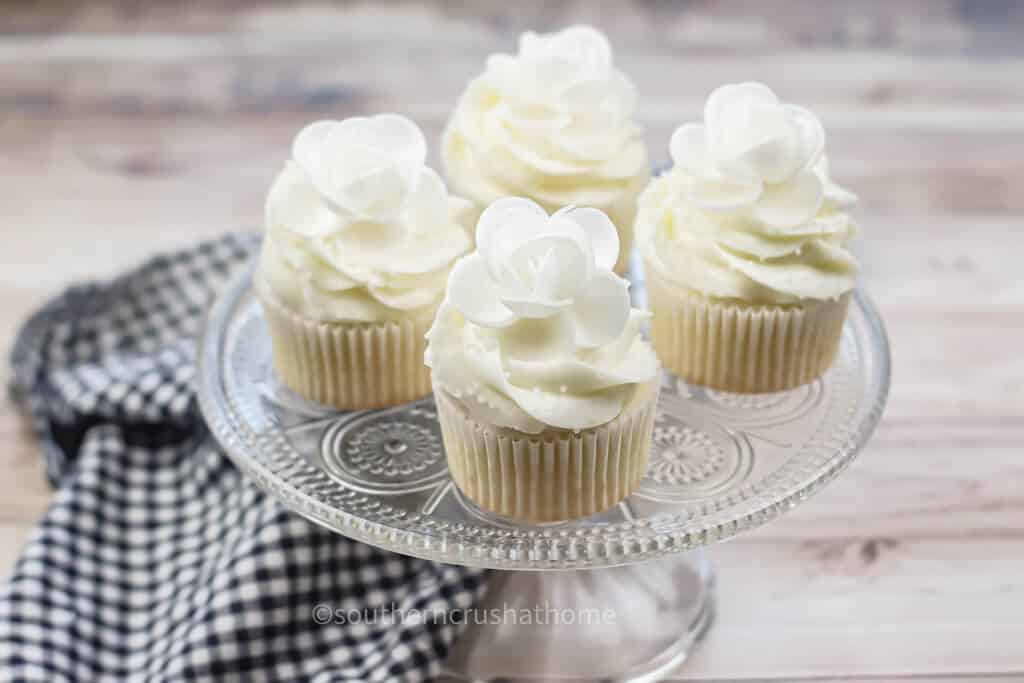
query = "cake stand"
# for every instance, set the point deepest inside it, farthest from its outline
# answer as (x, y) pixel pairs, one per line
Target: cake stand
(620, 596)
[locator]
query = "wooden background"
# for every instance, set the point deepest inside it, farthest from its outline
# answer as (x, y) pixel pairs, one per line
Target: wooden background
(126, 129)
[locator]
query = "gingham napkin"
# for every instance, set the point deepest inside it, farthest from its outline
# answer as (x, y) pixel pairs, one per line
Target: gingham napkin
(157, 561)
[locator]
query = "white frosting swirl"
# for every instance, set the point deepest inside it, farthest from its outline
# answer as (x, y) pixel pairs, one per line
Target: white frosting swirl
(553, 122)
(536, 331)
(748, 211)
(358, 227)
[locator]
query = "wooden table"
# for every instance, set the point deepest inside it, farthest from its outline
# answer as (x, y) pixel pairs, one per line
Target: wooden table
(125, 131)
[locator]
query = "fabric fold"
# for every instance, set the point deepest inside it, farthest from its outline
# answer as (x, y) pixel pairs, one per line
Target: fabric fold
(157, 561)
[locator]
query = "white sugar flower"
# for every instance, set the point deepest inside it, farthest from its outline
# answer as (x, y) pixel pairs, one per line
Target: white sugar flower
(363, 168)
(753, 151)
(566, 83)
(358, 226)
(529, 265)
(581, 45)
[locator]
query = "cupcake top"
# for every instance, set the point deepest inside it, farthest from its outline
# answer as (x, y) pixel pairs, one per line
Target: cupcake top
(748, 210)
(358, 227)
(536, 331)
(553, 122)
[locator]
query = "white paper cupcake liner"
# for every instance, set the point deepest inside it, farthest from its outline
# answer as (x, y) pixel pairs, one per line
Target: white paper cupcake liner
(746, 349)
(347, 365)
(554, 475)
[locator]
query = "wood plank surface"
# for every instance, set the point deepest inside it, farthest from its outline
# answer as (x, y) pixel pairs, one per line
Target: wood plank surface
(127, 128)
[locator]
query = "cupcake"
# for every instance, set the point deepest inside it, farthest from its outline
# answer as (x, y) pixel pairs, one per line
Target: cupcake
(744, 245)
(360, 238)
(545, 390)
(553, 123)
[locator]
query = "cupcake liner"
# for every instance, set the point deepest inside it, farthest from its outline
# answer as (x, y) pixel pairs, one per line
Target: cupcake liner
(347, 365)
(554, 475)
(730, 346)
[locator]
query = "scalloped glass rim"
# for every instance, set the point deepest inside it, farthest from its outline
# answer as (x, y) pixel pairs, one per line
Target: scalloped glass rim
(307, 490)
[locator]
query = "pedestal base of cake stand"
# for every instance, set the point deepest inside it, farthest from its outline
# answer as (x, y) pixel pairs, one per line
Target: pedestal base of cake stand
(632, 623)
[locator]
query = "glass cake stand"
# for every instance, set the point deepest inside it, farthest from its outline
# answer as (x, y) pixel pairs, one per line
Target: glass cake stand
(640, 592)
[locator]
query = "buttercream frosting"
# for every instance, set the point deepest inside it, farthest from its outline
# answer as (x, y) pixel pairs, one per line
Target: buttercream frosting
(536, 331)
(553, 122)
(748, 210)
(358, 227)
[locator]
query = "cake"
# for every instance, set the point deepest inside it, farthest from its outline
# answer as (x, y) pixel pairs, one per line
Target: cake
(553, 123)
(546, 392)
(745, 247)
(360, 237)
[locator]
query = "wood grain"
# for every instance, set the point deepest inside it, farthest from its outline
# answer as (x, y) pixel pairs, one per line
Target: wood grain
(128, 128)
(873, 607)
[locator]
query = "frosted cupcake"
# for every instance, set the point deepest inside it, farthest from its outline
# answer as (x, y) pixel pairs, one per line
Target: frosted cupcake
(553, 123)
(360, 238)
(545, 390)
(745, 247)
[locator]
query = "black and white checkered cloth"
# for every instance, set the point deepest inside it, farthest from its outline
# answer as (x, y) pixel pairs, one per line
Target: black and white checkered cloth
(157, 561)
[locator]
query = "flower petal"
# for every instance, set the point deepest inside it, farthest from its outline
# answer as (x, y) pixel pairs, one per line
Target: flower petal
(602, 310)
(390, 134)
(376, 193)
(308, 145)
(788, 204)
(728, 96)
(600, 231)
(563, 266)
(731, 120)
(580, 44)
(812, 134)
(507, 214)
(472, 291)
(773, 148)
(294, 205)
(364, 167)
(427, 206)
(526, 306)
(688, 147)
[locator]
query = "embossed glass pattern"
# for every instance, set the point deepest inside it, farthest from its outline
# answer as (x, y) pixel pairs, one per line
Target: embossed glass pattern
(721, 463)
